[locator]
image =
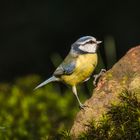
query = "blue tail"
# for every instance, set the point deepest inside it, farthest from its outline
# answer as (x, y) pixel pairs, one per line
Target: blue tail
(51, 79)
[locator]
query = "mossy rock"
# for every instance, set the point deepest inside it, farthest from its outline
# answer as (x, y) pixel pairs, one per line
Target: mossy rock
(113, 111)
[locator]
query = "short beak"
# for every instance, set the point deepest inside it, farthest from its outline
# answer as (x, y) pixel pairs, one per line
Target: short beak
(98, 42)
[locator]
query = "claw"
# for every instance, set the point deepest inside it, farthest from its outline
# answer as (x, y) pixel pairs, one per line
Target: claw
(97, 76)
(103, 71)
(82, 106)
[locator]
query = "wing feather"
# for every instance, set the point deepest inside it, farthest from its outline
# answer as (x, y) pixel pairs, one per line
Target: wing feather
(67, 67)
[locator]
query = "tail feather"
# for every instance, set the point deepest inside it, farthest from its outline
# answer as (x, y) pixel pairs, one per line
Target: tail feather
(51, 79)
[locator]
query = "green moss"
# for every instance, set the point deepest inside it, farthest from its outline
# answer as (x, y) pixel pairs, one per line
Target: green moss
(121, 122)
(124, 80)
(109, 75)
(34, 115)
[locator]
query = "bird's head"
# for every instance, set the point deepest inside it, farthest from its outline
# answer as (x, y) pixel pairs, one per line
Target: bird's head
(86, 44)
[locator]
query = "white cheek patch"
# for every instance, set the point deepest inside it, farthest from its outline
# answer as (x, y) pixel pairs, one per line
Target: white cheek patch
(91, 48)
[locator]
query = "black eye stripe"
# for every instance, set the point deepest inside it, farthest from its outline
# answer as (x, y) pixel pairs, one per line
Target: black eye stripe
(91, 42)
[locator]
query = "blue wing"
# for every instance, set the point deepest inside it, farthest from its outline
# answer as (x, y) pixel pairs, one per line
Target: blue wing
(65, 69)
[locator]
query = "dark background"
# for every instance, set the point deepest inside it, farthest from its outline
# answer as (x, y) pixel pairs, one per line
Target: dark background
(31, 31)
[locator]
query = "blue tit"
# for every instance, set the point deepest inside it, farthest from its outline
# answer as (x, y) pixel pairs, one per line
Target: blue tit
(78, 66)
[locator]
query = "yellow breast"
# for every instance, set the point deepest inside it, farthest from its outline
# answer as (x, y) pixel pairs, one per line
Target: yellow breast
(85, 65)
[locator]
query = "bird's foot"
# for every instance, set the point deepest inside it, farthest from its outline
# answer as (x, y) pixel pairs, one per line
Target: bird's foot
(82, 106)
(97, 76)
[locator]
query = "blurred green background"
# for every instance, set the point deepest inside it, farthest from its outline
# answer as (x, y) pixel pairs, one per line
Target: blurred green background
(29, 115)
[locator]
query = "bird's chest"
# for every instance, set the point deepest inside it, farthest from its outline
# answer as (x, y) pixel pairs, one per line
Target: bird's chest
(85, 65)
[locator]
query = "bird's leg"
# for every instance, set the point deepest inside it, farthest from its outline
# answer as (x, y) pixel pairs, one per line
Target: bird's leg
(96, 76)
(75, 93)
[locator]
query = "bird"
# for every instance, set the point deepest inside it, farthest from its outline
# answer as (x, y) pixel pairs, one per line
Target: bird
(78, 65)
